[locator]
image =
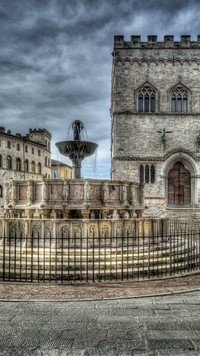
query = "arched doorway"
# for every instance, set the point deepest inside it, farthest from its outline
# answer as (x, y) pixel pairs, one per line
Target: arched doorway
(179, 185)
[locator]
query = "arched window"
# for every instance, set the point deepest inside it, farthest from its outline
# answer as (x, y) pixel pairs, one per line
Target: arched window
(146, 99)
(141, 173)
(9, 162)
(8, 144)
(179, 100)
(39, 168)
(0, 160)
(33, 167)
(18, 147)
(147, 173)
(26, 165)
(1, 191)
(18, 164)
(152, 173)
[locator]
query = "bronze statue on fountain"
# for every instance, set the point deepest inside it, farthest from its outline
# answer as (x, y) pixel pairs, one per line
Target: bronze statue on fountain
(76, 149)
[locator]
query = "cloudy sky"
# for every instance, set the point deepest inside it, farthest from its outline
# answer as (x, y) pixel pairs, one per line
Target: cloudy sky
(55, 61)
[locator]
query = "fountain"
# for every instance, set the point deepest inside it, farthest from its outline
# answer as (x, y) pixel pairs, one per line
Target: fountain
(76, 149)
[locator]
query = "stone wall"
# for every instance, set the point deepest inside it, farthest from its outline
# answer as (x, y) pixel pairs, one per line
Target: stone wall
(136, 138)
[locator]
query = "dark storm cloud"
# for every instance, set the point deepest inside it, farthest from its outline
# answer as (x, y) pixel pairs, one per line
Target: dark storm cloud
(55, 59)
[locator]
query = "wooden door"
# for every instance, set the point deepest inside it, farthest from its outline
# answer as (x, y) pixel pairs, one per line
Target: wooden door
(179, 185)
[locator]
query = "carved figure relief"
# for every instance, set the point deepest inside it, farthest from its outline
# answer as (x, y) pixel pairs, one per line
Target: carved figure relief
(124, 193)
(92, 231)
(118, 231)
(7, 193)
(36, 231)
(86, 191)
(115, 214)
(48, 232)
(65, 232)
(105, 192)
(22, 231)
(129, 231)
(66, 191)
(105, 231)
(12, 230)
(77, 232)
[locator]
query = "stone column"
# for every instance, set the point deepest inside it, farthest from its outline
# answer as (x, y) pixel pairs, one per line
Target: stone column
(30, 193)
(124, 194)
(44, 193)
(13, 193)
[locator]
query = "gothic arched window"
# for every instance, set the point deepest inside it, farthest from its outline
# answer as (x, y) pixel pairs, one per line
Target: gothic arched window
(33, 167)
(26, 165)
(39, 168)
(146, 99)
(18, 164)
(9, 162)
(179, 100)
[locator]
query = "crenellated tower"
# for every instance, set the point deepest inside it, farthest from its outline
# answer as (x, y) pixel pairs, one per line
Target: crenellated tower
(155, 108)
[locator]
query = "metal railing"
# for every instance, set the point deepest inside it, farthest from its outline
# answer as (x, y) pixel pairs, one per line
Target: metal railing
(102, 259)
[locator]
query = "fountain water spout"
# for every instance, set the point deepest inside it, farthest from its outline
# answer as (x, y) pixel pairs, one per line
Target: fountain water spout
(76, 149)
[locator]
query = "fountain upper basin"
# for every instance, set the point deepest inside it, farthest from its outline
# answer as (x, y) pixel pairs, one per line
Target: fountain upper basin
(73, 148)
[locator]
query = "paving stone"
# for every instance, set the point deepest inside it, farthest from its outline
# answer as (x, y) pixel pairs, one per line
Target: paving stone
(163, 325)
(176, 344)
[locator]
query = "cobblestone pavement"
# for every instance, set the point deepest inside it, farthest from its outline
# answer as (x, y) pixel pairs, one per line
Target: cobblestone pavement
(154, 326)
(56, 292)
(101, 319)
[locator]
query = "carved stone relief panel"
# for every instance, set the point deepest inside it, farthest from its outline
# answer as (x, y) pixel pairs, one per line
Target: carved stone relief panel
(95, 192)
(114, 192)
(36, 231)
(38, 192)
(23, 192)
(76, 192)
(64, 236)
(22, 230)
(56, 192)
(48, 231)
(12, 230)
(77, 231)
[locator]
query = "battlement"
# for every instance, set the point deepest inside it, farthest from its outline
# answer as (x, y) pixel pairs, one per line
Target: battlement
(39, 130)
(185, 42)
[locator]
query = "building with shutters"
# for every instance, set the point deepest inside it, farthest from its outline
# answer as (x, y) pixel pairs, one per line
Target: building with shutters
(155, 109)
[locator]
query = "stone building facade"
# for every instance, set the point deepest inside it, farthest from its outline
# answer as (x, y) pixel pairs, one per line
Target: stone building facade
(155, 108)
(23, 157)
(60, 170)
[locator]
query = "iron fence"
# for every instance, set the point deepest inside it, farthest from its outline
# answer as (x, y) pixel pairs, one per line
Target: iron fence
(99, 259)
